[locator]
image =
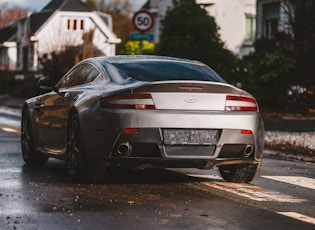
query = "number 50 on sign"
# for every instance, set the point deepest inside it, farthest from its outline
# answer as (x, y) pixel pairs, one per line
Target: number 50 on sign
(143, 20)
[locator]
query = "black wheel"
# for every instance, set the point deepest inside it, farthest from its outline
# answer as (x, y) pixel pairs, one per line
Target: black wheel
(29, 153)
(79, 168)
(243, 173)
(76, 158)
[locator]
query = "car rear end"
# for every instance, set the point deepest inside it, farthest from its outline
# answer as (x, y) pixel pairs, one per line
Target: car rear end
(168, 112)
(184, 124)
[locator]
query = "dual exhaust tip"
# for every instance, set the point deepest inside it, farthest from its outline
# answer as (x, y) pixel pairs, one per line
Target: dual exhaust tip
(124, 149)
(248, 150)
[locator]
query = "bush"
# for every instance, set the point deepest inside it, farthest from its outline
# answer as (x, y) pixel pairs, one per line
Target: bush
(270, 74)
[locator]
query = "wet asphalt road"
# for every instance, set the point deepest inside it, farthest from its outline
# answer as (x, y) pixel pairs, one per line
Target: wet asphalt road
(45, 198)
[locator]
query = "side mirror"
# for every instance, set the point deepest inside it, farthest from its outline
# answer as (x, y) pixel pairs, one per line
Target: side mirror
(46, 82)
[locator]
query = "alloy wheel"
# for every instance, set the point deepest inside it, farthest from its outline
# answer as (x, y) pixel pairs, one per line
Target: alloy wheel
(75, 150)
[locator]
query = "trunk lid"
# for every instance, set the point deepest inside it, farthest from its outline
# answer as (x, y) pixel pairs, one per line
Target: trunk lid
(189, 95)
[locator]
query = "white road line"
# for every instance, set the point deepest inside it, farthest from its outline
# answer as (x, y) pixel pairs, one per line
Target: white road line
(249, 191)
(294, 180)
(254, 192)
(298, 216)
(11, 184)
(212, 177)
(10, 130)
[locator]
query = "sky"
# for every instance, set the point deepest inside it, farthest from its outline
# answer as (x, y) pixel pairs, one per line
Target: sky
(37, 5)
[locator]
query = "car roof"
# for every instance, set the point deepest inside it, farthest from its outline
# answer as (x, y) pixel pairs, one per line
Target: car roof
(132, 58)
(130, 64)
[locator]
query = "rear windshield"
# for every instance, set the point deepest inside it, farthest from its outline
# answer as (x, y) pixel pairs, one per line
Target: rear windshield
(166, 70)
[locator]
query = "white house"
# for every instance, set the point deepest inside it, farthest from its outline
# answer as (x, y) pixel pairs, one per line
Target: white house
(59, 24)
(235, 18)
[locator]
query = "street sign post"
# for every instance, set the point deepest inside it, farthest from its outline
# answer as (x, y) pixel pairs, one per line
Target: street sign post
(143, 21)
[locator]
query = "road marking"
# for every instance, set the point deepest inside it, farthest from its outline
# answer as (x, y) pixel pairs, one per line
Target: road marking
(295, 180)
(212, 177)
(4, 171)
(254, 192)
(249, 191)
(10, 130)
(298, 216)
(11, 122)
(10, 184)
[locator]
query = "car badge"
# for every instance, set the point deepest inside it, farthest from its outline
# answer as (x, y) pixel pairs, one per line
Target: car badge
(190, 100)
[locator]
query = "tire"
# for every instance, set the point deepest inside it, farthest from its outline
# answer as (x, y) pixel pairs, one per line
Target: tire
(79, 168)
(29, 153)
(243, 173)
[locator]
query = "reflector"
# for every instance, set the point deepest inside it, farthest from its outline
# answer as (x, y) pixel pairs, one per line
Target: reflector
(247, 132)
(130, 130)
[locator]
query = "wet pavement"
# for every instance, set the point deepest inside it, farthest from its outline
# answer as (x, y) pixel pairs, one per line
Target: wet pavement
(45, 198)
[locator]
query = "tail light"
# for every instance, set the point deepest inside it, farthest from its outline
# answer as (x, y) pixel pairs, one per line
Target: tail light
(247, 132)
(240, 103)
(128, 101)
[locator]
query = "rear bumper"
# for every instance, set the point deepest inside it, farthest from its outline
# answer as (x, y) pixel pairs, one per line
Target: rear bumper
(104, 139)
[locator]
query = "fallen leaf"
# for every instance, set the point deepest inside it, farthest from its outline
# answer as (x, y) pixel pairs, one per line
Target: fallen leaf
(131, 202)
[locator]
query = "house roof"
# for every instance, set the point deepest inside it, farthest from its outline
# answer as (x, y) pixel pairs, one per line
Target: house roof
(66, 5)
(8, 33)
(37, 20)
(146, 5)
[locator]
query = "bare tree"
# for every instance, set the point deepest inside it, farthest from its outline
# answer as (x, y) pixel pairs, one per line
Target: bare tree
(10, 14)
(88, 48)
(121, 12)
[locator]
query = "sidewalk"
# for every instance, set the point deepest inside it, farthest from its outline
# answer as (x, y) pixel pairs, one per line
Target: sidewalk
(290, 138)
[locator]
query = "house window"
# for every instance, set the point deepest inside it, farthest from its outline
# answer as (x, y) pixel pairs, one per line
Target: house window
(271, 14)
(250, 28)
(82, 24)
(271, 28)
(75, 24)
(68, 24)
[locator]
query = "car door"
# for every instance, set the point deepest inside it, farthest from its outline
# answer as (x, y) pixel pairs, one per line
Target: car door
(52, 109)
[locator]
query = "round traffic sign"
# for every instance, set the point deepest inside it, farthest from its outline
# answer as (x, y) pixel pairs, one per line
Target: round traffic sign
(143, 20)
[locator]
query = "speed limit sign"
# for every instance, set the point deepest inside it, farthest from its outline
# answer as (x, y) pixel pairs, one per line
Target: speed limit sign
(143, 20)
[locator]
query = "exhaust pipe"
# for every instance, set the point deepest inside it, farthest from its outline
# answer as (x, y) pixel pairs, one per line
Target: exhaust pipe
(124, 149)
(248, 150)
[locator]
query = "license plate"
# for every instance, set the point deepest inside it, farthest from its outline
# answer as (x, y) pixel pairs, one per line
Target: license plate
(190, 136)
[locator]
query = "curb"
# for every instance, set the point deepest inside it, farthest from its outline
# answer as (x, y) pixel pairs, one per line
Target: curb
(282, 155)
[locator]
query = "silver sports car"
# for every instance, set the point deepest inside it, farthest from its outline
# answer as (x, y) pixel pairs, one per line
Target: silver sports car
(139, 111)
